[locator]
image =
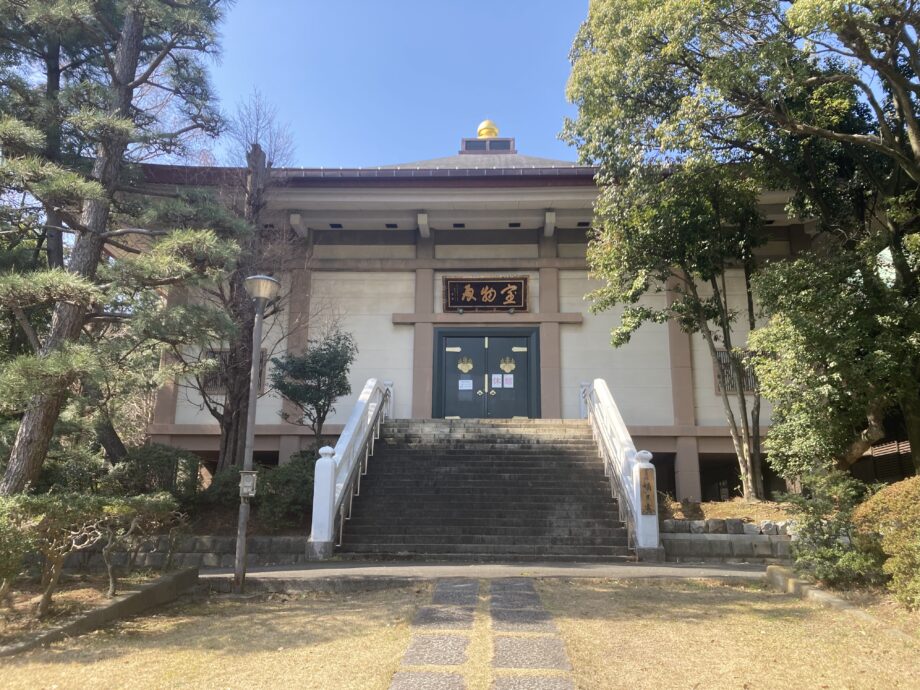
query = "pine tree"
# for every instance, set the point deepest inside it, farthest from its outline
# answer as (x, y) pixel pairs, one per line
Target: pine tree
(130, 66)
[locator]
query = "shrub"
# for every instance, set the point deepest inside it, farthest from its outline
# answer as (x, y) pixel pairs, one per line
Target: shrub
(155, 468)
(285, 493)
(58, 525)
(827, 546)
(224, 490)
(14, 545)
(892, 517)
(71, 471)
(128, 521)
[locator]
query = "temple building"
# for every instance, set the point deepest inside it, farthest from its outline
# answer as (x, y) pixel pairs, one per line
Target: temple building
(463, 280)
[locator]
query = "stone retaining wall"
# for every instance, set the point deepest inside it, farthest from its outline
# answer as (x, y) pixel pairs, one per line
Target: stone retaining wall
(727, 541)
(203, 552)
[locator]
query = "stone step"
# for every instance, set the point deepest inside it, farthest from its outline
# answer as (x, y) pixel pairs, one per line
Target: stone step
(436, 513)
(406, 555)
(496, 549)
(480, 522)
(453, 531)
(485, 490)
(353, 538)
(485, 423)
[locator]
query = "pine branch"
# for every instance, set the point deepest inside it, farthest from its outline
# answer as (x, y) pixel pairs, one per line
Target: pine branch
(27, 329)
(134, 231)
(155, 63)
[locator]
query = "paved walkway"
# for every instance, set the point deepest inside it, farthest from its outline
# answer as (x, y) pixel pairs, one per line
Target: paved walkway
(526, 651)
(438, 570)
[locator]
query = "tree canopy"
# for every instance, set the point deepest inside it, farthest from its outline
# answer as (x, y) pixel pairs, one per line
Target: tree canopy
(816, 97)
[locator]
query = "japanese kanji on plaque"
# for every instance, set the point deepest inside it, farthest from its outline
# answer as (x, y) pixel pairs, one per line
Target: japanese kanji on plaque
(485, 294)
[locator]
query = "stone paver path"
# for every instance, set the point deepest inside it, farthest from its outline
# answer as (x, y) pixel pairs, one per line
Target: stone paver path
(526, 650)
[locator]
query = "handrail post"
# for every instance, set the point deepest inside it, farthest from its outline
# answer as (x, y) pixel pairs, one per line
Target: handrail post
(583, 399)
(391, 401)
(647, 538)
(322, 532)
(631, 472)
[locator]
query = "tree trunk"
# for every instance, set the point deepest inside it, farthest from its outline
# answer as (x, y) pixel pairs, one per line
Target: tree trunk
(5, 597)
(34, 434)
(44, 604)
(54, 238)
(911, 411)
(236, 381)
(109, 565)
(109, 439)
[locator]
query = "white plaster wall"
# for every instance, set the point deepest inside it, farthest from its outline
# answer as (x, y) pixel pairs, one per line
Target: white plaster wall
(533, 289)
(486, 251)
(707, 400)
(639, 373)
(363, 304)
(364, 251)
(190, 408)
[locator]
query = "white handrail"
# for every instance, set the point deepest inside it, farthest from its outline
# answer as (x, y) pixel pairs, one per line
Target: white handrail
(624, 465)
(337, 476)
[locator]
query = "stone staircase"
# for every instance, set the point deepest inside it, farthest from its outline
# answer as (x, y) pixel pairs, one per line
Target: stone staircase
(499, 490)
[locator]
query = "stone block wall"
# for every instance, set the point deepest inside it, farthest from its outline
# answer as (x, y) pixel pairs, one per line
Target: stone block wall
(726, 541)
(203, 552)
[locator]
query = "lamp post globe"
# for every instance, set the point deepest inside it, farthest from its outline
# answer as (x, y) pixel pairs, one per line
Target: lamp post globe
(262, 287)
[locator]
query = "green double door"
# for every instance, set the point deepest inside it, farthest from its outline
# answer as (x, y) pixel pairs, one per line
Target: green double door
(486, 376)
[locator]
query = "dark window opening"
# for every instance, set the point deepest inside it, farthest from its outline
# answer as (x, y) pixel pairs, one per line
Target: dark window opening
(392, 226)
(335, 226)
(213, 379)
(514, 225)
(500, 145)
(459, 225)
(728, 374)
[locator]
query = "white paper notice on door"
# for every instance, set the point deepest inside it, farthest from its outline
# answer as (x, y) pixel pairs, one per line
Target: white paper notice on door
(496, 380)
(465, 384)
(508, 380)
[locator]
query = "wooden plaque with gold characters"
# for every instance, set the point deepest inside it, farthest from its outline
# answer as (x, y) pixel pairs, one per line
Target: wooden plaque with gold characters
(647, 491)
(485, 294)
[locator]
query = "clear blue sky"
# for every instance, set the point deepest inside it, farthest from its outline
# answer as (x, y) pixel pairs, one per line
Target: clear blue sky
(372, 82)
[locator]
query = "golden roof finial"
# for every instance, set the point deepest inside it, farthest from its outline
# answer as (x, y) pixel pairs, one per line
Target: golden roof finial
(487, 130)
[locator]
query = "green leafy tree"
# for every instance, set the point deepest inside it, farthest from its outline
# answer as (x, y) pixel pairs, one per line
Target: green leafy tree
(819, 98)
(670, 216)
(144, 63)
(314, 380)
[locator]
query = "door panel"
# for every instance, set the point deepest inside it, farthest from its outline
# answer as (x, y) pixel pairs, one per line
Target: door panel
(486, 376)
(508, 368)
(464, 377)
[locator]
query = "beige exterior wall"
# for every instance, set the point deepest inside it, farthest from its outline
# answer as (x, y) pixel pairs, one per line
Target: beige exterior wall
(363, 304)
(706, 398)
(189, 406)
(364, 251)
(486, 251)
(639, 373)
